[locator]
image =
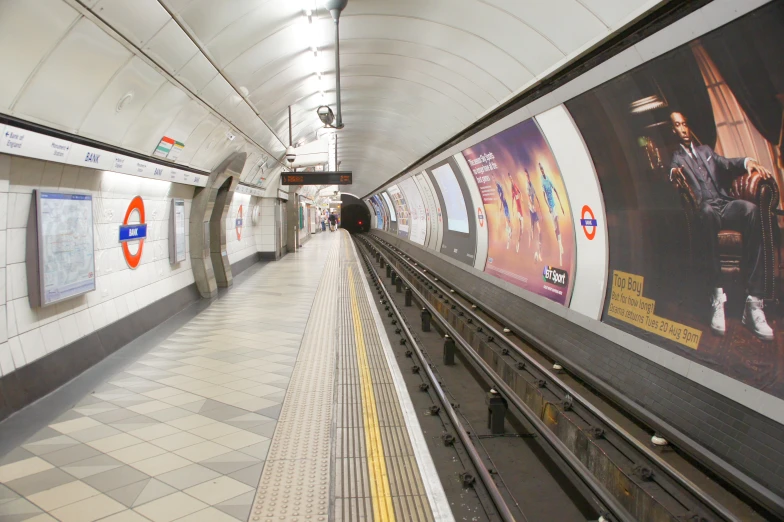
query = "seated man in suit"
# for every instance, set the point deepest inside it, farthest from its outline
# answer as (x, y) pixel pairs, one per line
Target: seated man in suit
(708, 175)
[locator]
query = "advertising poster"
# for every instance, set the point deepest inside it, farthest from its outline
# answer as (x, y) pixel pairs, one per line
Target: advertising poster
(688, 150)
(418, 221)
(401, 208)
(379, 214)
(529, 220)
(432, 210)
(458, 239)
(390, 207)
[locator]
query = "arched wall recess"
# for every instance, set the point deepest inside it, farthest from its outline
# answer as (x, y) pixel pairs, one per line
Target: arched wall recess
(210, 261)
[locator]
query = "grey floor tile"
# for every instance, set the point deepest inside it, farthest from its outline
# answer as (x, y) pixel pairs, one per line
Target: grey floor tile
(87, 401)
(266, 429)
(115, 478)
(92, 466)
(194, 407)
(250, 475)
(69, 415)
(6, 495)
(32, 484)
(18, 510)
(127, 495)
(114, 415)
(134, 423)
(238, 507)
(154, 490)
(220, 412)
(46, 433)
(188, 476)
(50, 445)
(169, 414)
(273, 411)
(16, 455)
(70, 455)
(230, 462)
(259, 450)
(91, 434)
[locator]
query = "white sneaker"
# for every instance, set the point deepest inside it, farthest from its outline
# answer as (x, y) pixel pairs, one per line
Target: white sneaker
(718, 324)
(754, 319)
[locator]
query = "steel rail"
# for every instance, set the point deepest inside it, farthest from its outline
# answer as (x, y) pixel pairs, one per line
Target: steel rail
(671, 472)
(484, 475)
(609, 501)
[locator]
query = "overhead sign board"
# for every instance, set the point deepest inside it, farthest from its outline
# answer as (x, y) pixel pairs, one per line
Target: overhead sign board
(30, 144)
(316, 178)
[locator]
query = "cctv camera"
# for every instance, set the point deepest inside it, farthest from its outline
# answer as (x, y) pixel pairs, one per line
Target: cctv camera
(326, 115)
(291, 155)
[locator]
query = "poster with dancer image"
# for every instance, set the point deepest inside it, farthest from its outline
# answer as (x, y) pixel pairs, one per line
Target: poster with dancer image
(529, 220)
(688, 150)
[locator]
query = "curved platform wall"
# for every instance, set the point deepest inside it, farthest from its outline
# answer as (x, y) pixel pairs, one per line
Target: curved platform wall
(43, 348)
(620, 261)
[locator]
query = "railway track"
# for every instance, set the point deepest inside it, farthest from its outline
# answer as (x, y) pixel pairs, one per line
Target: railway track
(626, 479)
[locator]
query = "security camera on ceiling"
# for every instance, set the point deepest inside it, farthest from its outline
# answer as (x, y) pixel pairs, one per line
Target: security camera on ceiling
(326, 115)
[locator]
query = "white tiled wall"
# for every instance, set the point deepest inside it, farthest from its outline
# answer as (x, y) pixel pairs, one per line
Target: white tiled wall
(266, 232)
(27, 334)
(239, 249)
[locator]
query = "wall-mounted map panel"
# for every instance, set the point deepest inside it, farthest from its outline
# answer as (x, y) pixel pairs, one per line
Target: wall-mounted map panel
(61, 259)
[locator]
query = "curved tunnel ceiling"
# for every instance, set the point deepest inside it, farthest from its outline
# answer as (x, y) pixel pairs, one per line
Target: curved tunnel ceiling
(413, 72)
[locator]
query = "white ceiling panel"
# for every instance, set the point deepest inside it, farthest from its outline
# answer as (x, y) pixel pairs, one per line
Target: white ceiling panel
(196, 139)
(413, 72)
(197, 73)
(30, 28)
(150, 126)
(185, 123)
(72, 77)
(137, 20)
(217, 90)
(216, 147)
(122, 101)
(171, 48)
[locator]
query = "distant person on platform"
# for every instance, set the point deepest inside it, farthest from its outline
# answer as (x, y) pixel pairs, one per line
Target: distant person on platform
(707, 174)
(323, 224)
(333, 222)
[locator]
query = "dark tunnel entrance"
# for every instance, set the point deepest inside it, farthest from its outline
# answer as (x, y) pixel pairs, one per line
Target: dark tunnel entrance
(354, 215)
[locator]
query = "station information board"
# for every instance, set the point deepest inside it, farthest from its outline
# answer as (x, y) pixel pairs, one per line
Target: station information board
(61, 260)
(316, 178)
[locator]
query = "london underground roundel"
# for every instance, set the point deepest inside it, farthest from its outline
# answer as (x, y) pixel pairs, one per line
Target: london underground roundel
(133, 233)
(238, 224)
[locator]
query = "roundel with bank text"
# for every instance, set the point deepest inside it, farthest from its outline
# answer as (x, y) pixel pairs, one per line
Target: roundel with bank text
(133, 231)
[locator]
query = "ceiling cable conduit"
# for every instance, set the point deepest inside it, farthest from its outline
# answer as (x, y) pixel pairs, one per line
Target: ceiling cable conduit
(335, 7)
(87, 12)
(189, 33)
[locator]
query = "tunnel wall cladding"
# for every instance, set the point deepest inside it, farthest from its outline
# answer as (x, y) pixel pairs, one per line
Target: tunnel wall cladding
(747, 440)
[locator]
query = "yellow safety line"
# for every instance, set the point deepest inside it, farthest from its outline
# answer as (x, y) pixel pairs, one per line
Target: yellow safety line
(377, 466)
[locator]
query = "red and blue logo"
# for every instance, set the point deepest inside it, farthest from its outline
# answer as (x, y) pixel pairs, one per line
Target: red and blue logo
(238, 224)
(132, 233)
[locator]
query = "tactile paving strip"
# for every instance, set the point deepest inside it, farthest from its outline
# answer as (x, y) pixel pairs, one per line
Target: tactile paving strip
(353, 500)
(295, 482)
(324, 403)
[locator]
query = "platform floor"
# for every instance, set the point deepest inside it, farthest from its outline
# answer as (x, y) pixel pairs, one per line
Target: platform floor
(276, 402)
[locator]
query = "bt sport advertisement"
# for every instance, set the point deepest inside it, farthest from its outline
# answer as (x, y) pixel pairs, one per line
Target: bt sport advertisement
(688, 150)
(528, 217)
